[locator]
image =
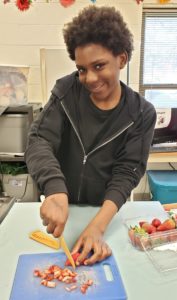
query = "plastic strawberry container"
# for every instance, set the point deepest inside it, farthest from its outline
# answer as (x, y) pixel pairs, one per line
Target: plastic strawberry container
(145, 241)
(160, 247)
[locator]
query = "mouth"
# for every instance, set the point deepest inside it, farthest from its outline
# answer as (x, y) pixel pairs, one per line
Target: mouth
(95, 88)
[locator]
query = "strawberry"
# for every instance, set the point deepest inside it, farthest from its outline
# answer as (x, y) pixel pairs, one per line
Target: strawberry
(136, 234)
(172, 237)
(74, 256)
(159, 238)
(131, 234)
(139, 237)
(170, 224)
(146, 241)
(174, 218)
(156, 222)
(138, 244)
(161, 227)
(167, 225)
(149, 228)
(141, 223)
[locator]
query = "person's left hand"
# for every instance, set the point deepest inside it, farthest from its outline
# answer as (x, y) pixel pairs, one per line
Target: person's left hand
(91, 241)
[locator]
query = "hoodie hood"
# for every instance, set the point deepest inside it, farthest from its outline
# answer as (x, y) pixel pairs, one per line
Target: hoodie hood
(134, 101)
(64, 84)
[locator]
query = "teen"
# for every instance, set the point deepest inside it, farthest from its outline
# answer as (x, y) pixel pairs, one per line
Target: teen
(91, 143)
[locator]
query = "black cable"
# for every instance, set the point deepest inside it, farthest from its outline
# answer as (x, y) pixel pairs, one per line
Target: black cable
(173, 168)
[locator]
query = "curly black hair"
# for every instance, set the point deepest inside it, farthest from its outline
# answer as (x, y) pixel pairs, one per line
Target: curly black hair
(99, 25)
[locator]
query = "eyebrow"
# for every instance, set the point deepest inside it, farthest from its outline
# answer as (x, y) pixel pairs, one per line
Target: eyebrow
(93, 63)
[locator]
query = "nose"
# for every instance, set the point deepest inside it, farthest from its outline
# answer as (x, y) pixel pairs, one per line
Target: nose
(91, 77)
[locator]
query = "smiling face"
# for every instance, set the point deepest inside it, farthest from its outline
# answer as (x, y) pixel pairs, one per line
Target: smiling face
(99, 72)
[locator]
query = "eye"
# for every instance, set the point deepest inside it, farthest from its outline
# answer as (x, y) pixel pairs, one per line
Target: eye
(81, 70)
(99, 66)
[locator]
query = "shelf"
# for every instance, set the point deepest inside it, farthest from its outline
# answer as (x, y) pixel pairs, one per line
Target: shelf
(162, 157)
(8, 158)
(153, 157)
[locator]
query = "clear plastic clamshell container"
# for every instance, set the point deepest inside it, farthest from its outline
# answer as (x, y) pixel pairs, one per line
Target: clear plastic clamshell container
(161, 247)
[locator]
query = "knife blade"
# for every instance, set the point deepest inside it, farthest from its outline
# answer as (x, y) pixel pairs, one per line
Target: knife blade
(64, 246)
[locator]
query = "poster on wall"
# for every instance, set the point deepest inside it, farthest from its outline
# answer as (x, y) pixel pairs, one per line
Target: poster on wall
(13, 85)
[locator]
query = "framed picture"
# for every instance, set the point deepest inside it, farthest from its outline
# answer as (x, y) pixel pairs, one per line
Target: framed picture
(13, 85)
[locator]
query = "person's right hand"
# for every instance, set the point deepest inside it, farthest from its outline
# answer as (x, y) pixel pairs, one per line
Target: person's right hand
(54, 213)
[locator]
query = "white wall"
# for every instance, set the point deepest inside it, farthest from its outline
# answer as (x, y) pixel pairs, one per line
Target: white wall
(22, 34)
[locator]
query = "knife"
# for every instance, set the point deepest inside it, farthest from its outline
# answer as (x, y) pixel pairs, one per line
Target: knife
(64, 246)
(45, 239)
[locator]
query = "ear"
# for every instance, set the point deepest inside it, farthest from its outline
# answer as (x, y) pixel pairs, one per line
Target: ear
(122, 59)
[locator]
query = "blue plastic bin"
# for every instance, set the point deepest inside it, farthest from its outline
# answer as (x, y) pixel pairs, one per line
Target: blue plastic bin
(163, 186)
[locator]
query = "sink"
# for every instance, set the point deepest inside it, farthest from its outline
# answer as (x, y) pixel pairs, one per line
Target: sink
(6, 203)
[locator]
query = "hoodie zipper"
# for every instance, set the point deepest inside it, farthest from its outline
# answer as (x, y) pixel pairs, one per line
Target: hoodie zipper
(73, 127)
(95, 149)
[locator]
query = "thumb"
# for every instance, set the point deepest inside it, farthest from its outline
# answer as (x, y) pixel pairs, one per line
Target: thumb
(58, 231)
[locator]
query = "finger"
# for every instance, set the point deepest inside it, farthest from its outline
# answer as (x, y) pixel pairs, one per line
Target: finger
(51, 227)
(87, 247)
(106, 252)
(77, 246)
(97, 256)
(42, 211)
(109, 250)
(58, 231)
(45, 222)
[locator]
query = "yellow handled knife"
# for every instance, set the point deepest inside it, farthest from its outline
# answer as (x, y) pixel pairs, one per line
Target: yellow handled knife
(64, 246)
(46, 239)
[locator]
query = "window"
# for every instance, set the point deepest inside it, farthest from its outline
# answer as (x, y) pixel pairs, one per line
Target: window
(158, 66)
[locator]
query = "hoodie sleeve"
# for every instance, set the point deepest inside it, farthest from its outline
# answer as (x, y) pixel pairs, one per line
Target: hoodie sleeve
(42, 147)
(130, 164)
